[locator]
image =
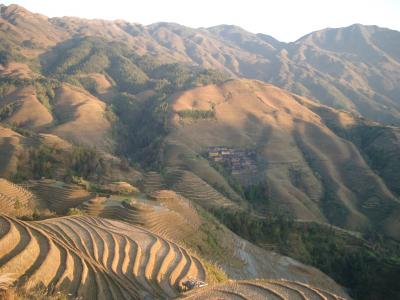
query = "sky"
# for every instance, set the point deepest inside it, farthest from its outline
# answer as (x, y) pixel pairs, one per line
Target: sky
(285, 20)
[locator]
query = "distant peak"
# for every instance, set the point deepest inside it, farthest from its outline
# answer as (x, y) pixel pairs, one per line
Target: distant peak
(165, 24)
(356, 29)
(227, 27)
(13, 10)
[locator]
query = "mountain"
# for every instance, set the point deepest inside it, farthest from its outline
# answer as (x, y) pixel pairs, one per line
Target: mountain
(233, 144)
(302, 166)
(354, 68)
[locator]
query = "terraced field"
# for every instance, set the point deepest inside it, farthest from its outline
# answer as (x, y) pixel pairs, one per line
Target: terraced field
(170, 215)
(196, 189)
(179, 204)
(59, 196)
(14, 199)
(94, 258)
(152, 182)
(261, 290)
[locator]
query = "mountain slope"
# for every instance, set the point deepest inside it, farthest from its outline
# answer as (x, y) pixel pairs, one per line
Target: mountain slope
(99, 240)
(81, 117)
(308, 170)
(355, 68)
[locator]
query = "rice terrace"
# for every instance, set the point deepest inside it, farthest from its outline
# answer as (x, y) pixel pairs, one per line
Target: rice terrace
(145, 159)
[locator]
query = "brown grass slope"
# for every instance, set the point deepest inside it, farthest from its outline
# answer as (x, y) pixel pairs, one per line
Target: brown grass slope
(21, 152)
(18, 71)
(23, 99)
(16, 147)
(15, 150)
(72, 114)
(331, 174)
(81, 118)
(262, 289)
(10, 145)
(29, 113)
(94, 258)
(20, 25)
(379, 144)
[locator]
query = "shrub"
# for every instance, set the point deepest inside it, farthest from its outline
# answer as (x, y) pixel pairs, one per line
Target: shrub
(86, 162)
(197, 114)
(7, 110)
(75, 212)
(95, 63)
(128, 76)
(215, 273)
(89, 84)
(42, 161)
(45, 91)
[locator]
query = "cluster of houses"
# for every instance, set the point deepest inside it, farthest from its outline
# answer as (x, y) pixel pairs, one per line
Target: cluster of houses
(240, 161)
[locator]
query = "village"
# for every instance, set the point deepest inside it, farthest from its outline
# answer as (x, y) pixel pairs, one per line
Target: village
(240, 161)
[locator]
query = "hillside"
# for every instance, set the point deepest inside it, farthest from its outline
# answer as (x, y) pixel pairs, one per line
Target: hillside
(197, 230)
(191, 227)
(97, 240)
(29, 155)
(304, 168)
(353, 68)
(58, 108)
(334, 250)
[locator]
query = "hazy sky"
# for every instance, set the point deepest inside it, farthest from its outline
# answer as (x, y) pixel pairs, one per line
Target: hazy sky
(286, 20)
